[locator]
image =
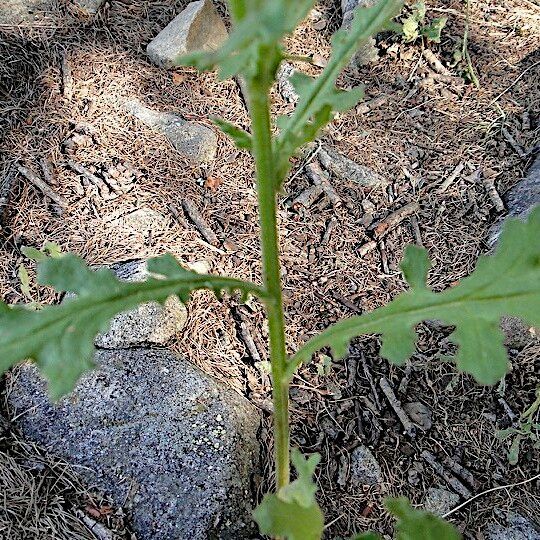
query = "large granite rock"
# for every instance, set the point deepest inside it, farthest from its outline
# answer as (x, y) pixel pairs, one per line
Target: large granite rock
(517, 528)
(149, 323)
(172, 445)
(191, 140)
(520, 201)
(198, 28)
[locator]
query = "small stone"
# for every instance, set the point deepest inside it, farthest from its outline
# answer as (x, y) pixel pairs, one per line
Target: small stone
(284, 85)
(128, 430)
(89, 7)
(144, 221)
(198, 28)
(419, 414)
(191, 140)
(440, 501)
(518, 528)
(149, 323)
(365, 470)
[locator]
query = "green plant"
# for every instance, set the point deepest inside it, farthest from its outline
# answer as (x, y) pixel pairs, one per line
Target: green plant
(60, 338)
(415, 25)
(527, 427)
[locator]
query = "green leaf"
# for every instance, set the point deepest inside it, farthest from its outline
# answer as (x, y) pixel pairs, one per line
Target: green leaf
(293, 513)
(505, 283)
(33, 254)
(241, 138)
(415, 524)
(433, 30)
(277, 518)
(410, 29)
(415, 266)
(303, 489)
(513, 452)
(60, 338)
(24, 280)
(367, 536)
(319, 98)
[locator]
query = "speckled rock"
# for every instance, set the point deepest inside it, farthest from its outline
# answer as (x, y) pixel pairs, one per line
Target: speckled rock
(149, 323)
(520, 201)
(365, 470)
(198, 28)
(440, 501)
(15, 12)
(144, 221)
(517, 528)
(171, 444)
(191, 140)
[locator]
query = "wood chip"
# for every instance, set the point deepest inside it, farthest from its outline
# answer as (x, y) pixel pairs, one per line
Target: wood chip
(332, 224)
(491, 190)
(435, 63)
(42, 186)
(67, 78)
(198, 220)
(307, 197)
(366, 248)
(394, 219)
(319, 178)
(372, 104)
(513, 143)
(451, 480)
(453, 175)
(103, 189)
(410, 428)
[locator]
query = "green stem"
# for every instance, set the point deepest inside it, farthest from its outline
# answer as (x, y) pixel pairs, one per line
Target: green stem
(266, 182)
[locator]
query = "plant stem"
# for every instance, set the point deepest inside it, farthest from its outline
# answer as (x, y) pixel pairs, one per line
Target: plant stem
(266, 182)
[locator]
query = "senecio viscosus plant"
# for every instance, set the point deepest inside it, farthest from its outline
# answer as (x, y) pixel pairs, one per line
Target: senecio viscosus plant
(60, 338)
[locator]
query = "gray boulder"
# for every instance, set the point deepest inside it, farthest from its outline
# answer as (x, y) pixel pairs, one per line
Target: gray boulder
(169, 443)
(520, 201)
(191, 140)
(198, 28)
(149, 323)
(365, 469)
(517, 528)
(440, 501)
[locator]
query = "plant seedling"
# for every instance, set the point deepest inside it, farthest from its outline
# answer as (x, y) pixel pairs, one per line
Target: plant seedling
(60, 338)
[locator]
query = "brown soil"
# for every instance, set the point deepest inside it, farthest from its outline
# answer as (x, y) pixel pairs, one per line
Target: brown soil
(416, 140)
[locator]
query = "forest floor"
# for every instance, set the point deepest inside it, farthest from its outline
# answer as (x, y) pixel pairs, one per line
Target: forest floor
(423, 133)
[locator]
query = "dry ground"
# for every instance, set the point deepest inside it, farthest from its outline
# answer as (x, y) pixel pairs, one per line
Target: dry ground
(416, 140)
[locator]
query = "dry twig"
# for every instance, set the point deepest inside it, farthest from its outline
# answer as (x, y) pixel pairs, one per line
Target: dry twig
(452, 481)
(409, 427)
(197, 219)
(390, 222)
(42, 186)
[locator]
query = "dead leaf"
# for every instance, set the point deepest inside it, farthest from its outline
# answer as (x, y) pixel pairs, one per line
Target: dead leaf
(213, 182)
(320, 25)
(178, 78)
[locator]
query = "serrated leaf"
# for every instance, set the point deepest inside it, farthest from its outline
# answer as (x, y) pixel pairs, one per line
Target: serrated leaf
(505, 283)
(413, 524)
(277, 518)
(241, 138)
(60, 338)
(319, 98)
(24, 280)
(302, 490)
(433, 30)
(293, 513)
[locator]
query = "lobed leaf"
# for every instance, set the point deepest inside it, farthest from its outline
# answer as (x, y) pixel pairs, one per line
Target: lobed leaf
(505, 283)
(413, 524)
(293, 513)
(319, 98)
(60, 338)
